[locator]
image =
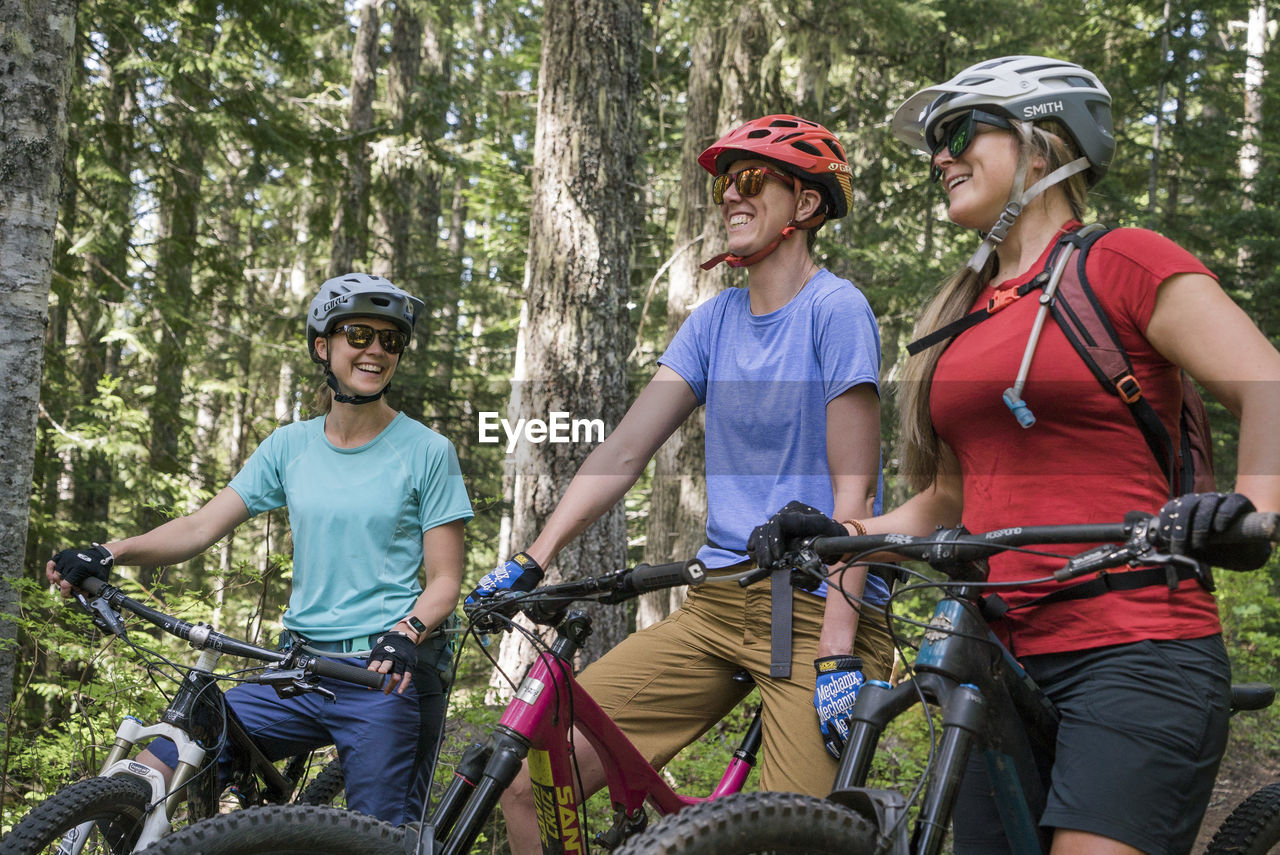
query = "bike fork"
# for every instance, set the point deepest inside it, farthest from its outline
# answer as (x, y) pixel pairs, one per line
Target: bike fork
(465, 778)
(961, 722)
(501, 760)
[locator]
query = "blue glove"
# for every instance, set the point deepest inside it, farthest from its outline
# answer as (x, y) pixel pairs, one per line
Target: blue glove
(1188, 525)
(520, 573)
(839, 678)
(398, 649)
(76, 565)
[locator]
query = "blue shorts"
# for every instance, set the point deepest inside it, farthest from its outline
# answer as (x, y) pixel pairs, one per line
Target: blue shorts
(386, 743)
(1143, 729)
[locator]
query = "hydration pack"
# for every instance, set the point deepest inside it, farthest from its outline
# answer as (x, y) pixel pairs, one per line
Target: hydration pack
(1187, 464)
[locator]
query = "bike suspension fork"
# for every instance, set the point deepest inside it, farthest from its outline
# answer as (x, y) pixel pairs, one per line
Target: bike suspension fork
(465, 778)
(962, 718)
(500, 769)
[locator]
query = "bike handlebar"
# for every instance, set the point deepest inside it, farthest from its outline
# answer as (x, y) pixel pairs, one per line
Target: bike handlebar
(204, 636)
(955, 551)
(546, 604)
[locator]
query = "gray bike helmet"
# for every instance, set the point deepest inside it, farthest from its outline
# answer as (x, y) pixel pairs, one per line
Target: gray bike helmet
(1022, 88)
(363, 295)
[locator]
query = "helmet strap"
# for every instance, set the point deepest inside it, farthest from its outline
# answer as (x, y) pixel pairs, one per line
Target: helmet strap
(789, 229)
(342, 397)
(1019, 199)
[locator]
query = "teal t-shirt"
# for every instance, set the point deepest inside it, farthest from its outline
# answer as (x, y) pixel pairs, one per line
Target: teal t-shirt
(357, 517)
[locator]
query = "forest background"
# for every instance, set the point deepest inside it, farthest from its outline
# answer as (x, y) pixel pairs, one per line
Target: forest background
(528, 169)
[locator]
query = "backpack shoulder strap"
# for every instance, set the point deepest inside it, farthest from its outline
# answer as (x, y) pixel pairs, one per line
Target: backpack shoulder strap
(1085, 323)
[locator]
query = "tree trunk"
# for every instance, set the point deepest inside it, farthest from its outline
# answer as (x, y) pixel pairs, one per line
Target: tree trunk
(678, 503)
(173, 304)
(36, 47)
(1251, 132)
(725, 72)
(106, 266)
(574, 336)
(350, 236)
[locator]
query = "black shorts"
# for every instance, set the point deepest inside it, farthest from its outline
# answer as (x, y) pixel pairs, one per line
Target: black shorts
(1143, 729)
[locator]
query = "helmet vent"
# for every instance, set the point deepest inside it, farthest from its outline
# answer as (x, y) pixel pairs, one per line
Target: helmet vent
(755, 135)
(784, 123)
(807, 148)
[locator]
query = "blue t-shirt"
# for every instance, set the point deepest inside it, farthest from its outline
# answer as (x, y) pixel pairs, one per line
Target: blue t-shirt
(357, 516)
(766, 381)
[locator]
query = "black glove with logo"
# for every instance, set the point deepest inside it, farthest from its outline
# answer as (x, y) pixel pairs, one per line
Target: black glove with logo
(796, 520)
(398, 649)
(1189, 523)
(76, 565)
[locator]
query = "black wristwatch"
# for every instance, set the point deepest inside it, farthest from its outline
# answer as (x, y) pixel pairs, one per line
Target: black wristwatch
(417, 626)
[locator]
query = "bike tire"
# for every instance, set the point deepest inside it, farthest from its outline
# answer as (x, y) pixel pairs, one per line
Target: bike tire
(118, 805)
(285, 830)
(1253, 828)
(758, 824)
(325, 787)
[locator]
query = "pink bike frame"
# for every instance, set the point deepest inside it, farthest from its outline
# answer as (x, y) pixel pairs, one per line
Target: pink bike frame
(547, 706)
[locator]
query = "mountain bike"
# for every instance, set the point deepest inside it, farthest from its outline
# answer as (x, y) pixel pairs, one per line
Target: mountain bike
(985, 701)
(538, 724)
(128, 805)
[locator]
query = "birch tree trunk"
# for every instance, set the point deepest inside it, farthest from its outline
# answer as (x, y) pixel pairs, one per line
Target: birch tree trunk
(36, 46)
(574, 336)
(1251, 133)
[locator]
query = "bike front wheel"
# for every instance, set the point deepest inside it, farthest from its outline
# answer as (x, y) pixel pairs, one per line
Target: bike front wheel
(285, 830)
(758, 824)
(117, 806)
(1253, 828)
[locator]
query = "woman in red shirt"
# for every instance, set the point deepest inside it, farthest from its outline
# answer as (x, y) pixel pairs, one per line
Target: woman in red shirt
(1141, 678)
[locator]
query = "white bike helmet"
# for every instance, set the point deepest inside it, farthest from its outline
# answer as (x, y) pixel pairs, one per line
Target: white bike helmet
(359, 294)
(1022, 88)
(1025, 89)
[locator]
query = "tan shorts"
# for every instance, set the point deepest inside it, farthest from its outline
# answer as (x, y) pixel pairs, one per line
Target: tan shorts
(667, 685)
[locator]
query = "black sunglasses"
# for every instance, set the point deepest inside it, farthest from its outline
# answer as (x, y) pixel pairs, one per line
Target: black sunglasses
(361, 336)
(750, 182)
(958, 133)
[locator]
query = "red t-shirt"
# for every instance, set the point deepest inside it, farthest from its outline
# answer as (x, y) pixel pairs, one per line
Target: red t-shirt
(1084, 460)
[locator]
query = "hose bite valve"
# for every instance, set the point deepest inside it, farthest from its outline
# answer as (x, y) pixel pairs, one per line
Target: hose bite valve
(1019, 408)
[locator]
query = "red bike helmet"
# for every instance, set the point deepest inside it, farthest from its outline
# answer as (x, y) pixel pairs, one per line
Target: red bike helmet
(805, 149)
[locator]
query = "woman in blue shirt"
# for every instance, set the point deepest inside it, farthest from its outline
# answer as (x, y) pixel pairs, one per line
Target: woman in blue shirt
(372, 495)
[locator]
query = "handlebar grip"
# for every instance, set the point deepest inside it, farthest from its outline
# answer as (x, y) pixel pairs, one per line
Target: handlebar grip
(1259, 525)
(656, 577)
(92, 585)
(349, 673)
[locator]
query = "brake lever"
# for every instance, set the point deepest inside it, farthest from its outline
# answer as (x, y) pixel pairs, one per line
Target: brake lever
(807, 569)
(808, 572)
(291, 682)
(103, 616)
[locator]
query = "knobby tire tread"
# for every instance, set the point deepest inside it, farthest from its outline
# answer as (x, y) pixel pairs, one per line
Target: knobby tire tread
(285, 830)
(325, 787)
(1253, 828)
(756, 824)
(119, 805)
